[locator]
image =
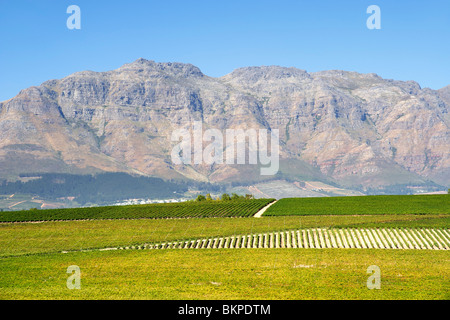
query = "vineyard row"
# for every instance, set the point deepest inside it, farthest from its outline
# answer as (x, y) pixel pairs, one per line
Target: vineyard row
(384, 238)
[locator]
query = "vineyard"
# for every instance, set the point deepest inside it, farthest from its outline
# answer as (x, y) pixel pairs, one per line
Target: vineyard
(310, 248)
(367, 205)
(204, 209)
(320, 238)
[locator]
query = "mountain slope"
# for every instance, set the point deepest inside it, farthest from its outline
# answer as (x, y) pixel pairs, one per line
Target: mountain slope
(343, 127)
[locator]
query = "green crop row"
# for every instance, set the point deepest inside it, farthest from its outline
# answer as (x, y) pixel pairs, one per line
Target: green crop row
(237, 208)
(362, 205)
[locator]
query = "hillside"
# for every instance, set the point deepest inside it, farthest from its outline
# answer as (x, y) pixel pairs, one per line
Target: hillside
(339, 127)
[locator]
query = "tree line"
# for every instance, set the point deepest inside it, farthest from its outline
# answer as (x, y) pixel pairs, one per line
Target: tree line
(224, 197)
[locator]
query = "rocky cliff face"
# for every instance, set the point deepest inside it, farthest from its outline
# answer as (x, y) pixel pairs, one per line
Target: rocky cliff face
(343, 126)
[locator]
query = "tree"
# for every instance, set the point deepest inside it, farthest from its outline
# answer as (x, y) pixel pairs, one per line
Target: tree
(234, 196)
(200, 197)
(208, 197)
(226, 197)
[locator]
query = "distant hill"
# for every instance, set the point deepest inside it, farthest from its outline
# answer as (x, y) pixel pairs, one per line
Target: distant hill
(105, 188)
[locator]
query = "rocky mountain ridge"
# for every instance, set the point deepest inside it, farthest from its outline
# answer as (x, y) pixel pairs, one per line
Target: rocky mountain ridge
(345, 127)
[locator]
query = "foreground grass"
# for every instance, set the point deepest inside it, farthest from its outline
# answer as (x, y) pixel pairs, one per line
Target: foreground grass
(56, 236)
(367, 205)
(229, 274)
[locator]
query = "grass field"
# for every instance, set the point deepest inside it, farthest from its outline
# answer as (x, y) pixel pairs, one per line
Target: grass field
(362, 205)
(32, 265)
(57, 236)
(229, 274)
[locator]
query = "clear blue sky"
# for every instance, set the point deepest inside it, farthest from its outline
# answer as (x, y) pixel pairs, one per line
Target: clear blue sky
(220, 36)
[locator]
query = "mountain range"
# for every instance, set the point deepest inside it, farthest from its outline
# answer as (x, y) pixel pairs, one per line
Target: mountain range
(345, 128)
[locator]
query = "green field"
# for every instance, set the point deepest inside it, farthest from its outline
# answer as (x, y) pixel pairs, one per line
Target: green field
(33, 265)
(190, 209)
(229, 274)
(362, 205)
(56, 236)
